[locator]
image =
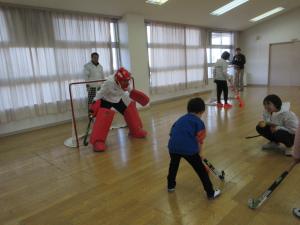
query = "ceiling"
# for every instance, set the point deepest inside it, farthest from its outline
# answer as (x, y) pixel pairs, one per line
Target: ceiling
(194, 12)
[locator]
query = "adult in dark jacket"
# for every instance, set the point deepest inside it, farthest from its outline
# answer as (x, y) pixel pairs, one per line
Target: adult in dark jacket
(238, 61)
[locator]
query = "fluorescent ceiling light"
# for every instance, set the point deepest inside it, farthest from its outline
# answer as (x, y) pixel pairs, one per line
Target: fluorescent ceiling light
(269, 13)
(156, 2)
(228, 7)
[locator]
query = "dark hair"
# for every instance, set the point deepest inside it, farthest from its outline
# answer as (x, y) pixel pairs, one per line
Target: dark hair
(273, 99)
(94, 53)
(238, 49)
(225, 55)
(196, 105)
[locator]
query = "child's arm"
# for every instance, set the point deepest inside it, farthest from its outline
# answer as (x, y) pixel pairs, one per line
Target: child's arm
(290, 123)
(201, 147)
(266, 120)
(200, 137)
(263, 123)
(225, 69)
(214, 73)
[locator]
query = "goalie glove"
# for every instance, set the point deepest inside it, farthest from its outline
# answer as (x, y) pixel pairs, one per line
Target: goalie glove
(139, 97)
(94, 107)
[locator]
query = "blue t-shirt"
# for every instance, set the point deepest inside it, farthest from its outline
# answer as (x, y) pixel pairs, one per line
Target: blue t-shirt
(183, 135)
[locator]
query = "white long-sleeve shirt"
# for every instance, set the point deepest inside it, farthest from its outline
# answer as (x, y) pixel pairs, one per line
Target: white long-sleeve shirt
(283, 119)
(220, 70)
(110, 91)
(93, 72)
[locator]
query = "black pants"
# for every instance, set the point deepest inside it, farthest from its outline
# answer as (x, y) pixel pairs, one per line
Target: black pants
(196, 162)
(280, 136)
(120, 106)
(222, 87)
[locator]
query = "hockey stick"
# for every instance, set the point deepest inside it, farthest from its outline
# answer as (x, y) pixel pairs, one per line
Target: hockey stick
(118, 127)
(255, 203)
(254, 136)
(217, 173)
(85, 142)
(236, 92)
(241, 102)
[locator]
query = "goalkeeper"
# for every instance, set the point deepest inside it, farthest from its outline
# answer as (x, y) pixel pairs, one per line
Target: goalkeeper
(116, 92)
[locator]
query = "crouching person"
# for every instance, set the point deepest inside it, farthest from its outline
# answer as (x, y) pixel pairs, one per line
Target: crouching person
(279, 124)
(117, 93)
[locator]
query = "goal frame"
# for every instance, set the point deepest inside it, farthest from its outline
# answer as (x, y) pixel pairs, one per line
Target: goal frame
(74, 122)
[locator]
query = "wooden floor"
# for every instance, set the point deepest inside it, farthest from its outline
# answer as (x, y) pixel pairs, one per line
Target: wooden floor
(42, 182)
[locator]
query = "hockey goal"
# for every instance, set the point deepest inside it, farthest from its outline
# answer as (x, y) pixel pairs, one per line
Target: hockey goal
(81, 94)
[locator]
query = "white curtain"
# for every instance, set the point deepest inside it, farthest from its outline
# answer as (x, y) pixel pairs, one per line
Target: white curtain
(176, 57)
(41, 52)
(195, 57)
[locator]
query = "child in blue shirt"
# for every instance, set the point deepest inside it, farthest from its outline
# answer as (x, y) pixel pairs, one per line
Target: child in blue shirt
(186, 136)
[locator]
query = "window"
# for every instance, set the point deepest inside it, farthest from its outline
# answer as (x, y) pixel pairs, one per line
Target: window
(4, 29)
(38, 60)
(218, 43)
(176, 57)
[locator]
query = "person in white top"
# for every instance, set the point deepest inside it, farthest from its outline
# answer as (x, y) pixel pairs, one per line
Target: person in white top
(279, 124)
(93, 71)
(115, 93)
(220, 78)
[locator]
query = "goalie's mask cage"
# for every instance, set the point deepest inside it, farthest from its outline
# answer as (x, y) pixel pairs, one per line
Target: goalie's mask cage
(82, 94)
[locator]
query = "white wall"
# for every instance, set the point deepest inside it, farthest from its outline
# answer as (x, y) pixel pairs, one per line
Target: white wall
(256, 40)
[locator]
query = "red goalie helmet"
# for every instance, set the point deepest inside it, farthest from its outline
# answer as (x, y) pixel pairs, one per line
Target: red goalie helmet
(123, 77)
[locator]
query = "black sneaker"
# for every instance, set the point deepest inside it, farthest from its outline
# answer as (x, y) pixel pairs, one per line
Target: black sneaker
(217, 193)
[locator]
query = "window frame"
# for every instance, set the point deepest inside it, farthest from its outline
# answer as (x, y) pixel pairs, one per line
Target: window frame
(211, 47)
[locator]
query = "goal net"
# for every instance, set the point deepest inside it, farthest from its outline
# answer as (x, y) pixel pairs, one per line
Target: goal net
(81, 95)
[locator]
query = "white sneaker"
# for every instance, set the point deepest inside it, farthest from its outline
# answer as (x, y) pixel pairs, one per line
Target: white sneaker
(270, 145)
(171, 189)
(288, 151)
(296, 212)
(216, 194)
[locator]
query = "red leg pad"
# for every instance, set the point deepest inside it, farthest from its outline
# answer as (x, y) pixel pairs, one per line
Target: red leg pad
(101, 127)
(134, 122)
(94, 107)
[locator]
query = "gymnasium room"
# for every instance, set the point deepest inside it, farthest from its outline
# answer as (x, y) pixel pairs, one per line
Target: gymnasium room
(148, 112)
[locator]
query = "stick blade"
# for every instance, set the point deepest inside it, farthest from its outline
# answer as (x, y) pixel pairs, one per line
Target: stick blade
(222, 176)
(252, 203)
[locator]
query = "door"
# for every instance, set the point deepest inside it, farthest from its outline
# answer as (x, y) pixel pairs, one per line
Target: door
(284, 67)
